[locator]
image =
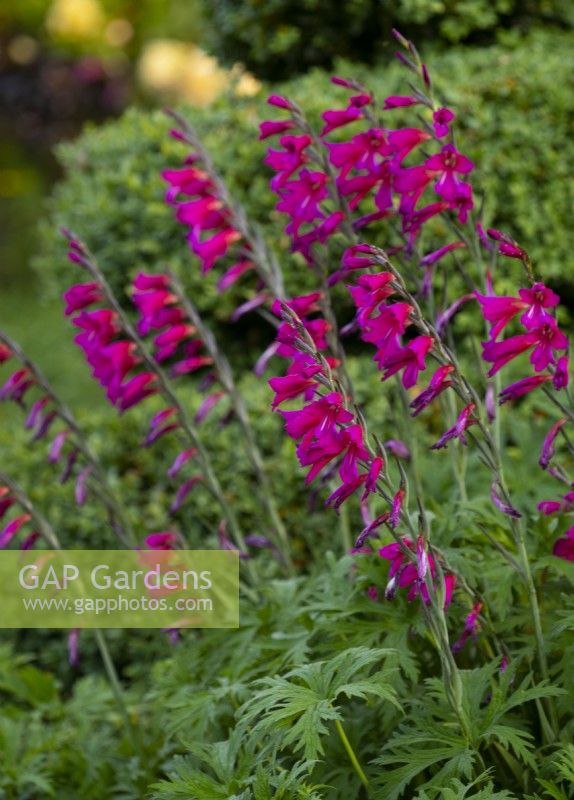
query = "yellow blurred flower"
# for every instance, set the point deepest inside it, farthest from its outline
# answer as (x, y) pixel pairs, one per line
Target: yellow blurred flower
(75, 19)
(247, 85)
(185, 71)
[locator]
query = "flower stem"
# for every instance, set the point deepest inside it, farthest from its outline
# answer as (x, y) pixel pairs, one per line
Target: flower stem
(227, 380)
(352, 756)
(186, 423)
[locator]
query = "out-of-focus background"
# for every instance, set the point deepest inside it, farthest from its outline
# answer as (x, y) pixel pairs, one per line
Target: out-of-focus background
(508, 64)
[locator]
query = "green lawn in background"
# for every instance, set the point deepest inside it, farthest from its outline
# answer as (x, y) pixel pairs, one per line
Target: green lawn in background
(47, 337)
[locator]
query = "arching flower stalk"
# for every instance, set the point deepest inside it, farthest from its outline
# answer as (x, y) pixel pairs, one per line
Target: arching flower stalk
(223, 370)
(474, 413)
(68, 445)
(113, 360)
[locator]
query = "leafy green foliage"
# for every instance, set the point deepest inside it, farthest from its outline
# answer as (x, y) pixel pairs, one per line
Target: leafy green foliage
(280, 38)
(295, 708)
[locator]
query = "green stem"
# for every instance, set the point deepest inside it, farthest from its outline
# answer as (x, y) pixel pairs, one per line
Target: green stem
(117, 688)
(227, 380)
(352, 756)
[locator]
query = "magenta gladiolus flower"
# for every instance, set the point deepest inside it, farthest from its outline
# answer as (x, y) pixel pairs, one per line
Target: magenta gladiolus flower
(564, 547)
(354, 451)
(365, 151)
(538, 298)
(506, 245)
(448, 164)
(188, 180)
(279, 101)
(500, 310)
(11, 529)
(293, 384)
(164, 540)
(204, 213)
(435, 256)
(403, 140)
(287, 161)
(181, 459)
(160, 424)
(410, 359)
(400, 101)
(548, 339)
(397, 507)
(464, 421)
(345, 490)
(500, 504)
(442, 118)
(471, 627)
(317, 418)
(369, 292)
(438, 383)
(16, 386)
(522, 387)
(384, 329)
(404, 573)
(81, 296)
(560, 379)
(548, 507)
(183, 492)
(548, 446)
(319, 453)
(135, 390)
(301, 199)
(274, 127)
(233, 274)
(215, 247)
(337, 119)
(500, 353)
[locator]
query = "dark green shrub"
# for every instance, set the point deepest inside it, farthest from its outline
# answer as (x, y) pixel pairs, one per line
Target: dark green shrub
(280, 38)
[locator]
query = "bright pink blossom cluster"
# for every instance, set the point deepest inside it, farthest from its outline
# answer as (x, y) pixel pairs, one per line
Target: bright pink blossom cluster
(328, 436)
(383, 324)
(122, 370)
(111, 356)
(547, 344)
(212, 235)
(366, 176)
(405, 573)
